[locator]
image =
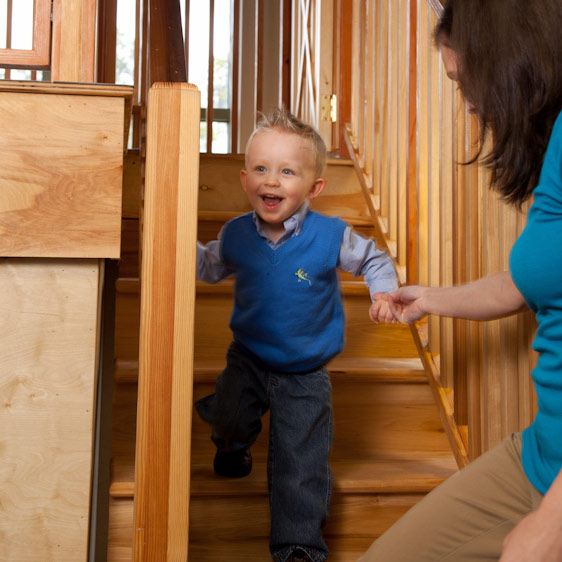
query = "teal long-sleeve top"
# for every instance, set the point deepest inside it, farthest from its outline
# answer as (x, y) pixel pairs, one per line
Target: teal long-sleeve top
(536, 269)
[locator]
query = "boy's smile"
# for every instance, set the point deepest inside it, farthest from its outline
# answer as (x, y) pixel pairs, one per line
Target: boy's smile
(279, 177)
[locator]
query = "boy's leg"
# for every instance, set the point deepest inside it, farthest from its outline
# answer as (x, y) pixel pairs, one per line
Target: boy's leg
(467, 517)
(236, 407)
(300, 481)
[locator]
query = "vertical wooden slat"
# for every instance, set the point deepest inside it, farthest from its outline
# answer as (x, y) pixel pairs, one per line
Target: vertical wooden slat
(211, 77)
(473, 252)
(344, 75)
(412, 260)
(73, 50)
(234, 110)
(166, 58)
(384, 114)
(435, 150)
(260, 57)
(394, 91)
(361, 101)
(423, 134)
(355, 64)
(380, 55)
(162, 465)
(187, 22)
(459, 213)
(107, 40)
(446, 262)
(9, 15)
(403, 137)
(247, 58)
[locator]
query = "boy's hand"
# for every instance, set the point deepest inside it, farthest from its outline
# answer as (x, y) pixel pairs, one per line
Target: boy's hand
(380, 310)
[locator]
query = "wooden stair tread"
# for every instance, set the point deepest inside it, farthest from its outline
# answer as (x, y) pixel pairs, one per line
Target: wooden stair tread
(382, 476)
(374, 369)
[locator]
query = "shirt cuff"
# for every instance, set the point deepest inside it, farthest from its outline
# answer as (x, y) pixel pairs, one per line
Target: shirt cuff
(383, 286)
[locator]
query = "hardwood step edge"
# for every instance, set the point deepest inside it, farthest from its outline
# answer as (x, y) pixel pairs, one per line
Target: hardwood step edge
(126, 490)
(375, 370)
(378, 476)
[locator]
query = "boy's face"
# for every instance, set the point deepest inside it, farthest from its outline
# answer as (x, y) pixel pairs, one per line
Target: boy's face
(279, 175)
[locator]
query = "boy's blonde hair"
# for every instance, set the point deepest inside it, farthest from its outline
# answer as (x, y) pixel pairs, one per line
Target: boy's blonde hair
(284, 121)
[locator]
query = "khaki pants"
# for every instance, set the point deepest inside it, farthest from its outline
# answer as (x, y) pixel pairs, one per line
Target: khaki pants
(466, 518)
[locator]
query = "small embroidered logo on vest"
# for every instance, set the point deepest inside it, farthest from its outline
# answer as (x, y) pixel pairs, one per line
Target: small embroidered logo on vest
(302, 276)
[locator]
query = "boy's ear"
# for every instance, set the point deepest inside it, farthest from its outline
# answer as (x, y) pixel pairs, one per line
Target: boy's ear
(243, 175)
(317, 188)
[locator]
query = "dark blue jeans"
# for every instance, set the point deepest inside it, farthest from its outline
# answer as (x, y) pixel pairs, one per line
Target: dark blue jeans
(300, 438)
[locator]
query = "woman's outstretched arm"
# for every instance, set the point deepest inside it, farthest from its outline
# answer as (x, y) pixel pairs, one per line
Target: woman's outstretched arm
(494, 296)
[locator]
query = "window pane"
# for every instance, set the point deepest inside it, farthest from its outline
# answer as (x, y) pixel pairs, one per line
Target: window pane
(203, 137)
(199, 14)
(125, 49)
(22, 24)
(198, 64)
(222, 53)
(20, 74)
(221, 136)
(3, 16)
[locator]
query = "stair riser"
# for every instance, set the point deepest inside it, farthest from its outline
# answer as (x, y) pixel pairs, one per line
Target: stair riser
(240, 527)
(212, 334)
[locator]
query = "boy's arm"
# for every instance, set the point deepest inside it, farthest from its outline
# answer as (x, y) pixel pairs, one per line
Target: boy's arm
(210, 267)
(360, 256)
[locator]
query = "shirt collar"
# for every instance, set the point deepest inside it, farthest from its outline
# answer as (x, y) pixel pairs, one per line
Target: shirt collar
(293, 225)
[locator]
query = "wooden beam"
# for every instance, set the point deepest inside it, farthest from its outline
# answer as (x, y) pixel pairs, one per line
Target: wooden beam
(345, 68)
(73, 51)
(166, 49)
(162, 469)
(107, 40)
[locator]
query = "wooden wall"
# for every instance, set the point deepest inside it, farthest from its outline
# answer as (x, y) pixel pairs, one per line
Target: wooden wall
(409, 133)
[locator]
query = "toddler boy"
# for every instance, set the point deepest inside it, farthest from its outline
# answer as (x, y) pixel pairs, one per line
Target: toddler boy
(287, 323)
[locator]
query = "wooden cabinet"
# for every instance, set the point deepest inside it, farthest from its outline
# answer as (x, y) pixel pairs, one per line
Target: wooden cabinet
(61, 160)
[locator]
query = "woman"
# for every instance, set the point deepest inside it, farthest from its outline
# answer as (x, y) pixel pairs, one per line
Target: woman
(506, 56)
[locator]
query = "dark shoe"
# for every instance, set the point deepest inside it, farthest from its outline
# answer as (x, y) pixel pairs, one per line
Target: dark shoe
(298, 556)
(233, 464)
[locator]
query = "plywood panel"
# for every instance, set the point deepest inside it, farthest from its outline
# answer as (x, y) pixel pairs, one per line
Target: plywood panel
(61, 163)
(47, 394)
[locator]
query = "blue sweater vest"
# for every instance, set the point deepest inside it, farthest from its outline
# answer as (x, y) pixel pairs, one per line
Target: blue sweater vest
(287, 304)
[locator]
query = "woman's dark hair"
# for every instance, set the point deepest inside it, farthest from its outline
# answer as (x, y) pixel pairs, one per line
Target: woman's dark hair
(509, 58)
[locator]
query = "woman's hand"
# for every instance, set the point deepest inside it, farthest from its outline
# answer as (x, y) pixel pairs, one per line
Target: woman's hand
(534, 539)
(406, 303)
(538, 536)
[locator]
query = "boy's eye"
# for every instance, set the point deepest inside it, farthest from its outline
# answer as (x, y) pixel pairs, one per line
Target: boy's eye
(287, 172)
(260, 168)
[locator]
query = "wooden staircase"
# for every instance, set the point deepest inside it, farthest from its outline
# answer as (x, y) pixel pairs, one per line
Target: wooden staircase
(390, 447)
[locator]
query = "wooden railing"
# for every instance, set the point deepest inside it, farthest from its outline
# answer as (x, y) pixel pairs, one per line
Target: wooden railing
(409, 134)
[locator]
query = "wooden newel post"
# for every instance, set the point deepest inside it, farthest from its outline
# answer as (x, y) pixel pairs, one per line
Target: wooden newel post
(162, 466)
